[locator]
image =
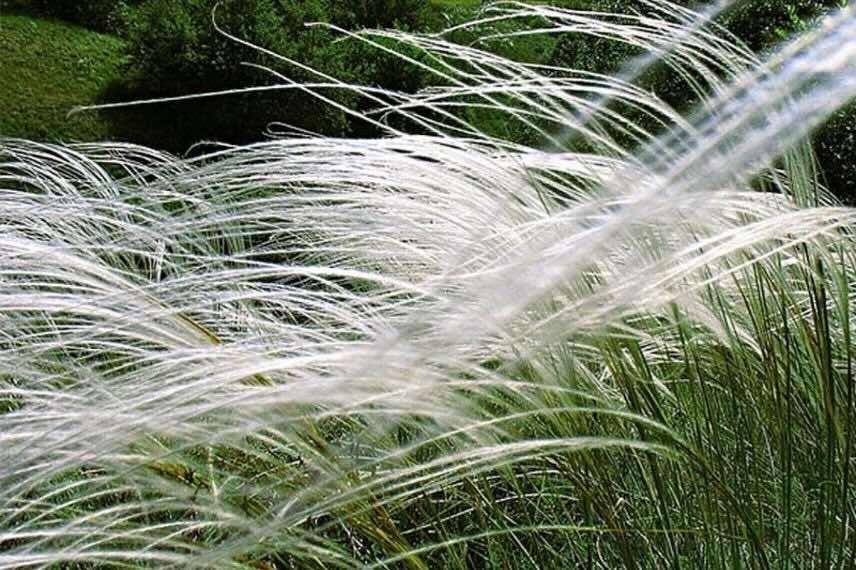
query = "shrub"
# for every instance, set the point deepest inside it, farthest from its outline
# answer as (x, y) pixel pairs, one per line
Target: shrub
(100, 15)
(174, 44)
(835, 144)
(761, 25)
(175, 49)
(356, 14)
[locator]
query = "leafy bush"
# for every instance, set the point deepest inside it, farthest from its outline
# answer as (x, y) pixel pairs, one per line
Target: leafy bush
(175, 49)
(356, 14)
(761, 25)
(100, 15)
(175, 45)
(835, 144)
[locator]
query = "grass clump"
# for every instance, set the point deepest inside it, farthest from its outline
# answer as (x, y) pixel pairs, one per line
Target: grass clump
(441, 348)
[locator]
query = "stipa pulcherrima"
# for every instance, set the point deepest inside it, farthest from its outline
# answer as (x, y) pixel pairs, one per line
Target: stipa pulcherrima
(446, 349)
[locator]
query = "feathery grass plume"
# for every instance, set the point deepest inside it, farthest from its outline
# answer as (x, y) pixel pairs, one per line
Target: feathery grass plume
(442, 349)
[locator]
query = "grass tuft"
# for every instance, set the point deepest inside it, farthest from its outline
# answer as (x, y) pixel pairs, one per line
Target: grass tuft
(440, 348)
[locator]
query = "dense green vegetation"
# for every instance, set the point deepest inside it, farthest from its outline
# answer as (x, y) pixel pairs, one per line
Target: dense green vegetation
(100, 15)
(173, 49)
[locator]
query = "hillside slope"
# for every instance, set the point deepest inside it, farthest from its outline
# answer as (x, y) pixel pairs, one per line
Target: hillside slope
(47, 68)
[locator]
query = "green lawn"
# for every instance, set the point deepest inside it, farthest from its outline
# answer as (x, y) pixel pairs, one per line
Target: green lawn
(48, 67)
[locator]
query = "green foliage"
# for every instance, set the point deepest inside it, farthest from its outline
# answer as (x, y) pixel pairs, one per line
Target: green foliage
(174, 44)
(356, 14)
(762, 23)
(835, 145)
(100, 15)
(176, 49)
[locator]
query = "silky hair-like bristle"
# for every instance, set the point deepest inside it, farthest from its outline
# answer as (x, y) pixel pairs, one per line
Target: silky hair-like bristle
(174, 331)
